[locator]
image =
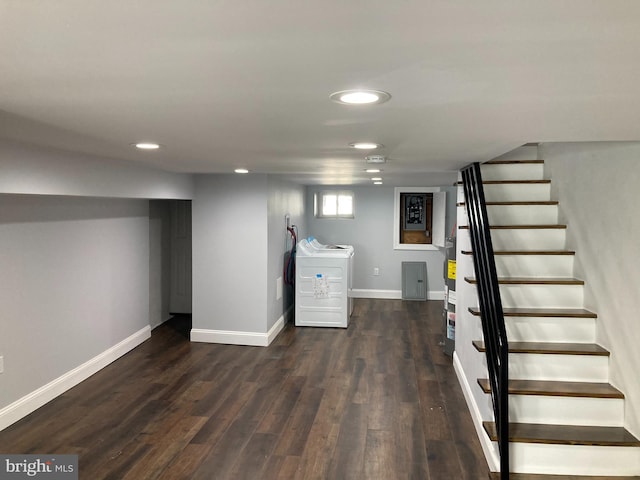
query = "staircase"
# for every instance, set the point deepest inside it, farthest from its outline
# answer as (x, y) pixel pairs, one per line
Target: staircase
(566, 420)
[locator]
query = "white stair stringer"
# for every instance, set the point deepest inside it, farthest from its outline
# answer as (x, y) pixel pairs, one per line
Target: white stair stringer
(534, 229)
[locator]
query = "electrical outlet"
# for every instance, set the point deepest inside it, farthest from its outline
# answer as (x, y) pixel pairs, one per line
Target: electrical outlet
(1, 364)
(278, 288)
(376, 271)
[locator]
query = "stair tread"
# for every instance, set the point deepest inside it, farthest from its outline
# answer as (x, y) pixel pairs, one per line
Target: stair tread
(566, 434)
(557, 388)
(511, 162)
(543, 203)
(526, 252)
(559, 348)
(542, 312)
(521, 227)
(517, 182)
(533, 280)
(540, 476)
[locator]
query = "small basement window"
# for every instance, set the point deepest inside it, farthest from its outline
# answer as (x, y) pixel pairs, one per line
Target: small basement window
(333, 204)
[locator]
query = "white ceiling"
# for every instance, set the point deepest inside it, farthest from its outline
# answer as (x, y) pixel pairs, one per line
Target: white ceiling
(246, 83)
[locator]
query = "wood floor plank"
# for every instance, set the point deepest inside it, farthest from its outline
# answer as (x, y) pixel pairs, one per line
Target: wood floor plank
(316, 404)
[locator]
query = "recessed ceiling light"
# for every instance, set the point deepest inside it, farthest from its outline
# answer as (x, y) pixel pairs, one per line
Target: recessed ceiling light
(377, 183)
(147, 146)
(360, 97)
(373, 170)
(376, 179)
(241, 170)
(365, 145)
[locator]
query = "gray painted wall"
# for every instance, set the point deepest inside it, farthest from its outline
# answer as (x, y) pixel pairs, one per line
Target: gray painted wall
(239, 244)
(27, 169)
(597, 187)
(371, 234)
(75, 282)
(159, 261)
(284, 198)
(229, 214)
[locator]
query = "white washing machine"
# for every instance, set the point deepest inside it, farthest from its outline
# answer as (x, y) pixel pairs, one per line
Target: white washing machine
(323, 285)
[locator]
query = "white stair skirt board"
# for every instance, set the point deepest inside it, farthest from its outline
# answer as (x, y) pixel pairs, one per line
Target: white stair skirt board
(571, 368)
(31, 402)
(542, 296)
(514, 171)
(602, 412)
(551, 329)
(522, 214)
(517, 192)
(392, 294)
(229, 337)
(489, 448)
(574, 459)
(543, 265)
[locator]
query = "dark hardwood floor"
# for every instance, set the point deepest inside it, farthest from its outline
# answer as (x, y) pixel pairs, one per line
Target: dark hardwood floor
(378, 400)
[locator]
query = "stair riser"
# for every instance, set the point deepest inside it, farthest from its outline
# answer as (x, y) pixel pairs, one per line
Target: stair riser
(542, 296)
(574, 459)
(522, 214)
(517, 171)
(551, 329)
(517, 192)
(540, 265)
(571, 368)
(604, 412)
(520, 239)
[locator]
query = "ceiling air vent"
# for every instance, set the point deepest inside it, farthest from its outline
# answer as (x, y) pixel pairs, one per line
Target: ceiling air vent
(375, 158)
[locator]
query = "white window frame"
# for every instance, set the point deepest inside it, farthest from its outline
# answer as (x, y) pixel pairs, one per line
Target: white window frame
(319, 198)
(438, 218)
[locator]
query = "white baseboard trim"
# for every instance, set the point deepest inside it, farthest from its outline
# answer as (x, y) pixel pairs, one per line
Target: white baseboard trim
(391, 294)
(485, 442)
(229, 337)
(277, 327)
(436, 295)
(34, 400)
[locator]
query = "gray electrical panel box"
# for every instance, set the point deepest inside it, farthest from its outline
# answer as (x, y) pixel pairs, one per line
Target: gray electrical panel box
(414, 280)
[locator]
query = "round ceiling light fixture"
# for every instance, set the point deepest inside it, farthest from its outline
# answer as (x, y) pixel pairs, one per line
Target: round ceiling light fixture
(147, 145)
(365, 145)
(241, 170)
(360, 97)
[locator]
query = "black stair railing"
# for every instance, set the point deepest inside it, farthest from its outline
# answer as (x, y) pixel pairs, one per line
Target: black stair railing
(493, 328)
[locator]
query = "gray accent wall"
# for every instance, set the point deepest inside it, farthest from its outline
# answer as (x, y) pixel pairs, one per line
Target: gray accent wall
(371, 234)
(597, 185)
(75, 282)
(229, 214)
(239, 245)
